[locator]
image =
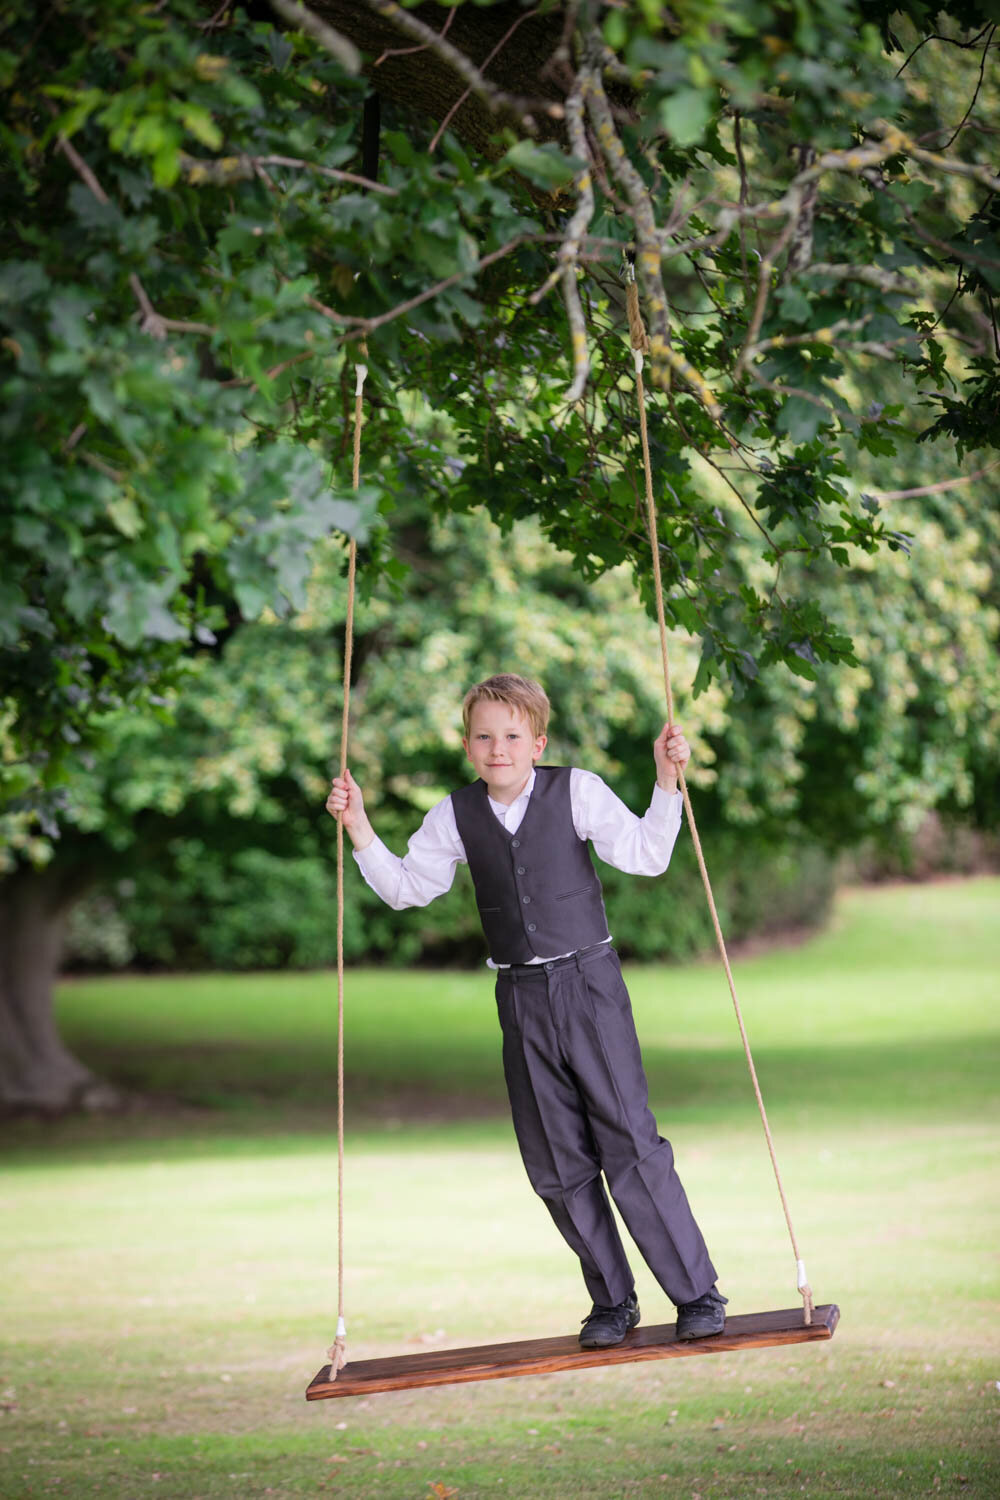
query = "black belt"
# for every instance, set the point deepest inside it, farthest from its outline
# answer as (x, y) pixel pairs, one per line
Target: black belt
(538, 971)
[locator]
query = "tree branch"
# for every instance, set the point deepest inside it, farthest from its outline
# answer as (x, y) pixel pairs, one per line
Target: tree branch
(495, 99)
(885, 281)
(410, 51)
(526, 16)
(937, 36)
(151, 322)
(303, 19)
(273, 372)
(763, 291)
(102, 467)
(935, 489)
(898, 142)
(569, 250)
(800, 251)
(816, 336)
(199, 172)
(571, 291)
(796, 390)
(972, 102)
(663, 358)
(368, 325)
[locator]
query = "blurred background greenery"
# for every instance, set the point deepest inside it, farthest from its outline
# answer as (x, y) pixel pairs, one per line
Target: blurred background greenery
(204, 834)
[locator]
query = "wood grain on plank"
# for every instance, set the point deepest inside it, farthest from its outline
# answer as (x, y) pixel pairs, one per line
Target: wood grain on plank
(542, 1356)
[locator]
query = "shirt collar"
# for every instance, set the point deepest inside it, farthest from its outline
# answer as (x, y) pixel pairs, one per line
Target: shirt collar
(503, 808)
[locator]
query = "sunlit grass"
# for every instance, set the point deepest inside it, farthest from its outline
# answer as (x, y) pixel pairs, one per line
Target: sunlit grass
(171, 1276)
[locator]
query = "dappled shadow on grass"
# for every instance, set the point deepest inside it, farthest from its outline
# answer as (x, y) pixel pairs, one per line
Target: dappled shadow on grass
(939, 1074)
(454, 1084)
(196, 1099)
(942, 1076)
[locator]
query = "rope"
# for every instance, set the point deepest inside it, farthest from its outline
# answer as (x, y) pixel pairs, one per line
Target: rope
(640, 344)
(337, 1351)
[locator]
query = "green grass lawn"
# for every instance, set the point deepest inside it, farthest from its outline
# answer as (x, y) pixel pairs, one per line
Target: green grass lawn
(170, 1280)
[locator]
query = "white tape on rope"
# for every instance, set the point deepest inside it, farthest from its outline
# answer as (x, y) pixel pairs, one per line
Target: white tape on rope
(341, 1329)
(637, 356)
(803, 1280)
(361, 372)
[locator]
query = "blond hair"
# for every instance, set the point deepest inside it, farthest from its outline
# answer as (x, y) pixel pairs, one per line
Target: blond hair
(527, 697)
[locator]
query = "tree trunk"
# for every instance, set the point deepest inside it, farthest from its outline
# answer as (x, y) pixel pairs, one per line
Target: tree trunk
(514, 48)
(37, 1070)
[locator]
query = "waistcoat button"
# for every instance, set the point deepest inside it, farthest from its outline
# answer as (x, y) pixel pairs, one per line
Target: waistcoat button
(521, 870)
(525, 900)
(531, 926)
(515, 843)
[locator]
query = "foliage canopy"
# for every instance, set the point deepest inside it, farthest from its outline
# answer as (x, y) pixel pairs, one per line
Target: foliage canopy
(193, 248)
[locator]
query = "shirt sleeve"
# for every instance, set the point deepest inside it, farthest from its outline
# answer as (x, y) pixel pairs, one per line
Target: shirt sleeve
(425, 871)
(639, 846)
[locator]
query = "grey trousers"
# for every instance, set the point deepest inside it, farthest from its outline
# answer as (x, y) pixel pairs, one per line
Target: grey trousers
(580, 1103)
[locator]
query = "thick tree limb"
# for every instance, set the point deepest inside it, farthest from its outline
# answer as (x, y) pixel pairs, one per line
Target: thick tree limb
(519, 77)
(569, 250)
(496, 99)
(800, 250)
(664, 359)
(527, 16)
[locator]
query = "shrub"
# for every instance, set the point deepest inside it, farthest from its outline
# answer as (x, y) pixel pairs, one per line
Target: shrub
(205, 908)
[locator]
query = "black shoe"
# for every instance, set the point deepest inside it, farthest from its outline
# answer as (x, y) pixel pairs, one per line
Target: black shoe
(702, 1317)
(605, 1326)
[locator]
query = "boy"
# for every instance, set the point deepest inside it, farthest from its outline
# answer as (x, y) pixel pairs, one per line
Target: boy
(574, 1073)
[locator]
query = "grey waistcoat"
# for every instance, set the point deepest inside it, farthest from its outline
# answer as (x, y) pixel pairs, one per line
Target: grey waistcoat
(537, 891)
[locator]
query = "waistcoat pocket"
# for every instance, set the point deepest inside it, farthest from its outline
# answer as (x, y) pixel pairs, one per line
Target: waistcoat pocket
(581, 890)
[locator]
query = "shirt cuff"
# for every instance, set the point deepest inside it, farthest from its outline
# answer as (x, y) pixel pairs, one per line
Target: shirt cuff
(666, 805)
(374, 857)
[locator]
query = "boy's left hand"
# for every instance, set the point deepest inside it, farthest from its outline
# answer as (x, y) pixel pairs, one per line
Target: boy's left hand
(671, 752)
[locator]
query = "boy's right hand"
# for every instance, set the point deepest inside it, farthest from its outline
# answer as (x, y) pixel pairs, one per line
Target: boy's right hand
(345, 798)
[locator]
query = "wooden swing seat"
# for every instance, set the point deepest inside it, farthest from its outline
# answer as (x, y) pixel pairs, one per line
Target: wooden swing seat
(365, 1377)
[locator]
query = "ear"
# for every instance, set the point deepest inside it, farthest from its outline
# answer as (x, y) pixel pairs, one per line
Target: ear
(541, 741)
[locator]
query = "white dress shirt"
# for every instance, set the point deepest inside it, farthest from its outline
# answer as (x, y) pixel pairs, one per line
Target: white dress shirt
(638, 846)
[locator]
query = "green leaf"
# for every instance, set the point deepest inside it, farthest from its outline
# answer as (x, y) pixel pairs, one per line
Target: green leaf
(546, 165)
(201, 125)
(801, 419)
(795, 305)
(686, 113)
(20, 281)
(166, 163)
(125, 515)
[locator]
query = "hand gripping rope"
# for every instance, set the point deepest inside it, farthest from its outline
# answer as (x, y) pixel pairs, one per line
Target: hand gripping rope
(640, 345)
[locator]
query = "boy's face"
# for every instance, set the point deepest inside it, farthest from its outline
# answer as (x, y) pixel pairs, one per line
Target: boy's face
(502, 747)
